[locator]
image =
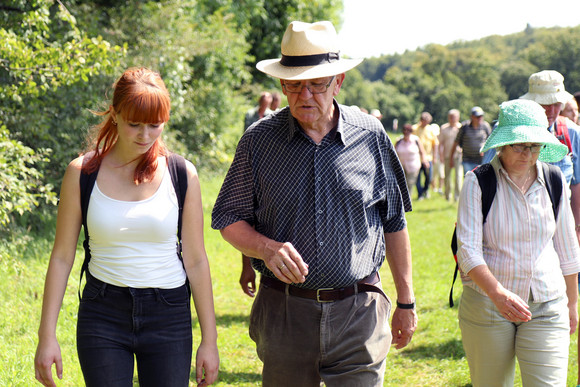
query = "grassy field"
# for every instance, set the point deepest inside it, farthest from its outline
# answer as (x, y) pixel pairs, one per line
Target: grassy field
(434, 358)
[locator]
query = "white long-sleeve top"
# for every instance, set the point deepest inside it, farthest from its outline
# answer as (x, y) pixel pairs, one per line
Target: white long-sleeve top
(522, 244)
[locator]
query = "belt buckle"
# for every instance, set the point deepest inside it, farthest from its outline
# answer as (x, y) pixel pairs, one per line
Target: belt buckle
(318, 295)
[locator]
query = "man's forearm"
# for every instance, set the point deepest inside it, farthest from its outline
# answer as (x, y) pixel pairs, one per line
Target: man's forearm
(245, 238)
(398, 249)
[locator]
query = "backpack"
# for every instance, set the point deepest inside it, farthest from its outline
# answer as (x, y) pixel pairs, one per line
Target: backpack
(488, 184)
(561, 132)
(178, 173)
(401, 139)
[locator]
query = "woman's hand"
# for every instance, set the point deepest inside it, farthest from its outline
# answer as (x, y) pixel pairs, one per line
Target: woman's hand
(47, 354)
(573, 310)
(207, 363)
(511, 306)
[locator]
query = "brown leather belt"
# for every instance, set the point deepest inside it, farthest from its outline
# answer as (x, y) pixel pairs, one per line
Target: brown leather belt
(325, 294)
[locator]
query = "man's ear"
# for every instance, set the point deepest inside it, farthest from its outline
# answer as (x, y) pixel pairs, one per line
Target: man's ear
(339, 81)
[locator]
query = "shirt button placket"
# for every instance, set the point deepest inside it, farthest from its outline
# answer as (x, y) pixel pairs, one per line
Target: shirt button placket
(317, 195)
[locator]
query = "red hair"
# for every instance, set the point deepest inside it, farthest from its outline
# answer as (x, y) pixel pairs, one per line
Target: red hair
(139, 95)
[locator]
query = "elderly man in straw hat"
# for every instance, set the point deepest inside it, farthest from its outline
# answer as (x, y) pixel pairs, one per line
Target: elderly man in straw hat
(547, 89)
(317, 196)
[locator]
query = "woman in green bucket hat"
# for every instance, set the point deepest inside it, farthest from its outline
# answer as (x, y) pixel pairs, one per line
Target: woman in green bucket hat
(519, 268)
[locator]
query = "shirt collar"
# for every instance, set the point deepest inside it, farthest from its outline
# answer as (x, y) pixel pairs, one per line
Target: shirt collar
(336, 133)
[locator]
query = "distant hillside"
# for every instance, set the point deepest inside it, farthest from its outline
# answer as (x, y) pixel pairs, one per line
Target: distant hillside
(481, 72)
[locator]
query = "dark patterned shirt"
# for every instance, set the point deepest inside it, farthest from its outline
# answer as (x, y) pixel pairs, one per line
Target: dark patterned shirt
(333, 201)
(471, 139)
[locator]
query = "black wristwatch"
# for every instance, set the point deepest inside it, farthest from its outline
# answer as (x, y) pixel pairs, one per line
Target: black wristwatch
(406, 306)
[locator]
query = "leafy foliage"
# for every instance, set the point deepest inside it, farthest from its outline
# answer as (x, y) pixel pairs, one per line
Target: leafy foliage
(41, 51)
(58, 62)
(20, 186)
(263, 22)
(41, 48)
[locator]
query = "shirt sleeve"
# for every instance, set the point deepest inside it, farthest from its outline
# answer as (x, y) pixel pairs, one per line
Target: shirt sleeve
(469, 225)
(235, 200)
(565, 240)
(459, 138)
(397, 200)
(575, 140)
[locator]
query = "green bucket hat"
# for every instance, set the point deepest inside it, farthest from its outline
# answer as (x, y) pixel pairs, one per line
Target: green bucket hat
(522, 121)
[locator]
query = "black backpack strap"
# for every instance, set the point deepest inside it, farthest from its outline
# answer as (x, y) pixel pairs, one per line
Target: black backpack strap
(553, 178)
(178, 172)
(87, 182)
(488, 184)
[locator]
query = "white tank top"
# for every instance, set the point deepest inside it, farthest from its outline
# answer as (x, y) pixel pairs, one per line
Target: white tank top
(133, 243)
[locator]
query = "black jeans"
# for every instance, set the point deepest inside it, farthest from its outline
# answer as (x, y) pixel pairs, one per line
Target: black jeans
(118, 324)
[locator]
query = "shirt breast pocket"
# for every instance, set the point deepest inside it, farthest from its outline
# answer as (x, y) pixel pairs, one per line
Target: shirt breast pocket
(358, 187)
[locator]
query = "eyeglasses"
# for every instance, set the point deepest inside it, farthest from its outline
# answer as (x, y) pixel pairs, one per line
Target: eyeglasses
(519, 148)
(314, 88)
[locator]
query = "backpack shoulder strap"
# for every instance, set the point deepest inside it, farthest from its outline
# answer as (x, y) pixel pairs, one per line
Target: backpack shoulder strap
(178, 172)
(87, 182)
(553, 178)
(488, 184)
(561, 129)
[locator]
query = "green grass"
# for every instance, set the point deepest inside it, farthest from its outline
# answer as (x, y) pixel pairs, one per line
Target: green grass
(435, 357)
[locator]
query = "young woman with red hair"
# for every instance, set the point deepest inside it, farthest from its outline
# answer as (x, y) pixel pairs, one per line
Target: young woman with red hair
(135, 305)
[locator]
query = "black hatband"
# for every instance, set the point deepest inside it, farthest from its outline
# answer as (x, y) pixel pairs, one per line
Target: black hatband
(309, 60)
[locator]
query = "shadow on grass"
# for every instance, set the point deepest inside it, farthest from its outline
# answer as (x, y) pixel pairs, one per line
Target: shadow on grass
(452, 349)
(233, 378)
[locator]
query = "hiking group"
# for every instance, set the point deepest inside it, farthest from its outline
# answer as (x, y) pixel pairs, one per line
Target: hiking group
(315, 200)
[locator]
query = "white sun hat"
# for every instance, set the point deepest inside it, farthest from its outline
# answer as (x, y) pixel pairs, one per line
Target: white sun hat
(309, 50)
(547, 88)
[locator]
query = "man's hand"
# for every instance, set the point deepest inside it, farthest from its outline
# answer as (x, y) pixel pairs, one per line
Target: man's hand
(281, 258)
(285, 262)
(248, 277)
(403, 326)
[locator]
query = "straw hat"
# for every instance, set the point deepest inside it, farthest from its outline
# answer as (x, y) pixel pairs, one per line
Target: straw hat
(522, 121)
(547, 88)
(309, 50)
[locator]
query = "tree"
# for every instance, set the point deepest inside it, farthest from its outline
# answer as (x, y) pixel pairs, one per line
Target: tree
(263, 23)
(557, 49)
(41, 51)
(21, 188)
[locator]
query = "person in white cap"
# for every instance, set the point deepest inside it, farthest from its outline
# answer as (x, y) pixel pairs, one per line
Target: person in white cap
(317, 196)
(547, 88)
